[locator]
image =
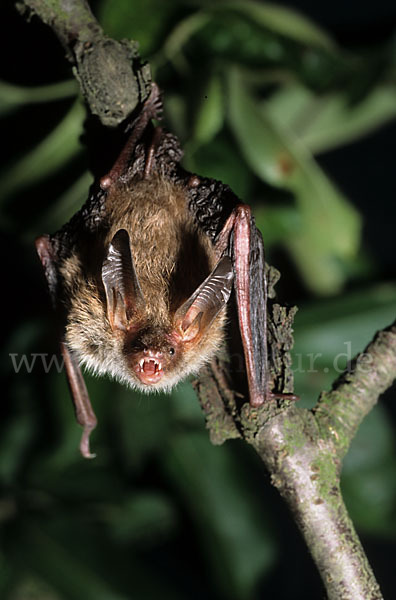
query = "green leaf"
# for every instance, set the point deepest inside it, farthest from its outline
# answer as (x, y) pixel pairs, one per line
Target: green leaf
(56, 565)
(369, 475)
(185, 406)
(143, 20)
(175, 108)
(220, 159)
(277, 223)
(32, 588)
(281, 20)
(278, 158)
(49, 471)
(210, 115)
(142, 423)
(53, 152)
(179, 36)
(353, 316)
(143, 519)
(322, 123)
(13, 96)
(232, 526)
(373, 443)
(7, 575)
(330, 333)
(14, 445)
(65, 206)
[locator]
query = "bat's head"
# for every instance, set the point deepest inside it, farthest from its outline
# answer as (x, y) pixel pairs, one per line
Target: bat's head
(158, 354)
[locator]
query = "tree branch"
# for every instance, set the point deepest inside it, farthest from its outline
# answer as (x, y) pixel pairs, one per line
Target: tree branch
(303, 449)
(304, 469)
(112, 78)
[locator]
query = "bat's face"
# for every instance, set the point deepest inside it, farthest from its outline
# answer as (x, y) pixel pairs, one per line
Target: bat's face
(151, 365)
(133, 336)
(153, 356)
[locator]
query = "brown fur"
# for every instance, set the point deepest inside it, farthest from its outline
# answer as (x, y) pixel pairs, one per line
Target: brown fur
(165, 242)
(172, 257)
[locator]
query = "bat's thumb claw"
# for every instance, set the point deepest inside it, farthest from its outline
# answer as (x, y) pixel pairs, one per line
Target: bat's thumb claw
(84, 444)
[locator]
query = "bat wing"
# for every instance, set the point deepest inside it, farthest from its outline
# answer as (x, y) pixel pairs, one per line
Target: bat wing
(251, 296)
(252, 304)
(82, 405)
(242, 241)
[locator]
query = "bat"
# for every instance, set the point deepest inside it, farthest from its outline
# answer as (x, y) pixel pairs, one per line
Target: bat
(141, 276)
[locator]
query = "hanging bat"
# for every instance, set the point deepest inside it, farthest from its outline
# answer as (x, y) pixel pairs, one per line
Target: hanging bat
(141, 276)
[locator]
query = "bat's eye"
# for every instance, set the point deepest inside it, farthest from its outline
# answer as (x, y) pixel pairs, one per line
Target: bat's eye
(171, 351)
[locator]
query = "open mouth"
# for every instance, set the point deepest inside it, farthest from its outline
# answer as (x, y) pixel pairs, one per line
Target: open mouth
(149, 370)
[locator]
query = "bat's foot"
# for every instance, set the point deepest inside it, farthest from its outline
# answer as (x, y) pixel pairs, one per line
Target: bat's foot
(282, 396)
(152, 109)
(153, 105)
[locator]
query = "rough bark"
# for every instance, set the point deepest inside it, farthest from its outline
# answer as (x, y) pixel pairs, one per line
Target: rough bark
(112, 78)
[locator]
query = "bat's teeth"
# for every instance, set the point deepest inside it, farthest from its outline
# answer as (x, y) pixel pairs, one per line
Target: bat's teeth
(150, 365)
(149, 370)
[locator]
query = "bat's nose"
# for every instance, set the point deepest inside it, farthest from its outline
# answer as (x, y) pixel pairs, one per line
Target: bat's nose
(156, 354)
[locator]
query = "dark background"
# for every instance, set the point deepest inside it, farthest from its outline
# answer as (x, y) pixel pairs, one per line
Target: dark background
(160, 511)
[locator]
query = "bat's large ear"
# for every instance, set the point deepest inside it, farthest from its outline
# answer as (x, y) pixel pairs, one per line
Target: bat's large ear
(203, 306)
(123, 293)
